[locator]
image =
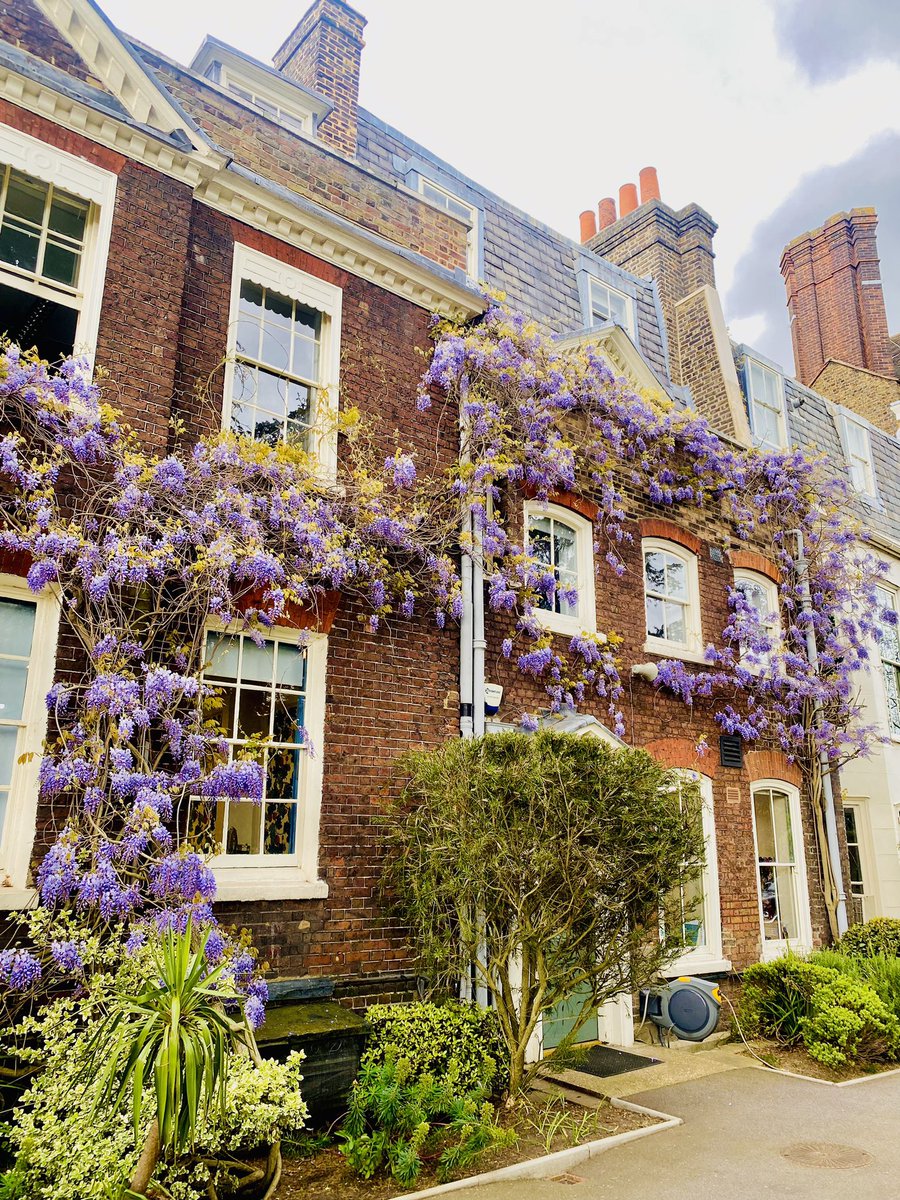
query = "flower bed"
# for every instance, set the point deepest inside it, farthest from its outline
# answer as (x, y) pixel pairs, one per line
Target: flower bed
(542, 1125)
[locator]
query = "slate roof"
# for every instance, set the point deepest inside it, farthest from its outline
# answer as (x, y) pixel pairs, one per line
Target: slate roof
(534, 265)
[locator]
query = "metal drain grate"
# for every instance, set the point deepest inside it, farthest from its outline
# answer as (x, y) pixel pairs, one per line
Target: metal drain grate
(827, 1155)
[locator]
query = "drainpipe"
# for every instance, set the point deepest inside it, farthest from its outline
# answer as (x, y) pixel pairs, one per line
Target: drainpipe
(479, 643)
(465, 633)
(831, 832)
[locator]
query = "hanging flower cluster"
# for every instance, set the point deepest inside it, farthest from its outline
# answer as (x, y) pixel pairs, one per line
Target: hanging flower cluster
(142, 553)
(540, 419)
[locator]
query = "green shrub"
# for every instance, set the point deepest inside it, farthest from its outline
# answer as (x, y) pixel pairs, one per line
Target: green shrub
(878, 936)
(397, 1121)
(878, 971)
(776, 997)
(431, 1037)
(830, 1009)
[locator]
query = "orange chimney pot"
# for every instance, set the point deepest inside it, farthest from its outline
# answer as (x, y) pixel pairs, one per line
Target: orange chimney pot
(588, 224)
(607, 210)
(628, 199)
(649, 184)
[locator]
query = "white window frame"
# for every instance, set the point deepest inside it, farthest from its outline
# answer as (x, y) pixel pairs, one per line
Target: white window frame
(586, 619)
(88, 182)
(776, 947)
(770, 587)
(889, 597)
(599, 285)
(298, 879)
(754, 402)
(692, 648)
(705, 959)
(241, 88)
(860, 467)
(17, 838)
(315, 293)
(473, 236)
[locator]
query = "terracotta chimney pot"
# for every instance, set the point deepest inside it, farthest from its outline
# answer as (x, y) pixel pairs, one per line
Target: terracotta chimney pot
(607, 210)
(649, 184)
(628, 199)
(588, 224)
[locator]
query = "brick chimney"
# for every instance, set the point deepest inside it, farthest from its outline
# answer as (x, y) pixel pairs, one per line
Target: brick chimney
(675, 250)
(650, 238)
(835, 298)
(323, 53)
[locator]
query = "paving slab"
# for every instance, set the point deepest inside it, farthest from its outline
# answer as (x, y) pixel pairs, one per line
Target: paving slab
(747, 1133)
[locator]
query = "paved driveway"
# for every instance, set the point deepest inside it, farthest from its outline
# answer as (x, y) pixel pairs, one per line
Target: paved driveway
(737, 1126)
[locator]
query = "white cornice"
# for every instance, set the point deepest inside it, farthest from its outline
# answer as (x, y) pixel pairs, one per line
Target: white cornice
(615, 345)
(113, 62)
(326, 238)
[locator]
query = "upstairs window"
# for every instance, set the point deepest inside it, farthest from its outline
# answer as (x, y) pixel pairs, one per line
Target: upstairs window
(765, 391)
(672, 598)
(889, 649)
(467, 213)
(563, 541)
(761, 594)
(859, 456)
(42, 242)
(281, 380)
(609, 305)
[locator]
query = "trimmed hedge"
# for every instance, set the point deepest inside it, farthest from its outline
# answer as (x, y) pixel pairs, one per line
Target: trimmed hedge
(881, 935)
(837, 1018)
(431, 1036)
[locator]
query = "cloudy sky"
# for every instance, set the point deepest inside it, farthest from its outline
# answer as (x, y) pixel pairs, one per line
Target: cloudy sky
(771, 114)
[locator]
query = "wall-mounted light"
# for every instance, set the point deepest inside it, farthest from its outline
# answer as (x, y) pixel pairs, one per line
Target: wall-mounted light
(648, 671)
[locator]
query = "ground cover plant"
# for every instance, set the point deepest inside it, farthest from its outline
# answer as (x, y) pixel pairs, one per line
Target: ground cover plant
(546, 862)
(880, 936)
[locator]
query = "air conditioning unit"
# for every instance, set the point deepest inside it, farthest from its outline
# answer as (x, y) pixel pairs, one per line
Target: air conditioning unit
(688, 1007)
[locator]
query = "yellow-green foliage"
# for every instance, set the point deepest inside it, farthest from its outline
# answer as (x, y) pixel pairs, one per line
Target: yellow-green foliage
(878, 936)
(431, 1036)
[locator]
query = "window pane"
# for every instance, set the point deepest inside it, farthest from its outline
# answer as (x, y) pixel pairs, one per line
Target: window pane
(68, 216)
(291, 666)
(618, 307)
(676, 627)
(16, 627)
(565, 550)
(305, 357)
(784, 840)
(765, 832)
(222, 656)
(26, 197)
(694, 926)
(8, 740)
(244, 821)
(655, 621)
(220, 707)
(892, 689)
(13, 678)
(258, 663)
(276, 346)
(676, 578)
(769, 900)
(207, 824)
(271, 393)
(289, 713)
(298, 403)
(254, 714)
(539, 539)
(61, 264)
(281, 821)
(19, 247)
(283, 774)
(786, 884)
(655, 571)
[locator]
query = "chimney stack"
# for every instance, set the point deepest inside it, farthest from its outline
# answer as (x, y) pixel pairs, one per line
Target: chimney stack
(649, 184)
(588, 223)
(323, 53)
(835, 297)
(606, 210)
(628, 199)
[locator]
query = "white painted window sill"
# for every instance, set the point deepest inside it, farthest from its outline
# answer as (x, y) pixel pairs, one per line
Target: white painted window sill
(696, 966)
(662, 650)
(16, 897)
(267, 885)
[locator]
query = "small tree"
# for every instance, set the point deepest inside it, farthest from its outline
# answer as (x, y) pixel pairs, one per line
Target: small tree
(548, 862)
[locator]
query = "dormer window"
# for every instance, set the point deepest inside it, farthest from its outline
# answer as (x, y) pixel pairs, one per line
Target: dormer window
(465, 212)
(765, 396)
(609, 305)
(859, 456)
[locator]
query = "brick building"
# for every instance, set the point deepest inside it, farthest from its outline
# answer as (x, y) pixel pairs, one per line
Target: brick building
(179, 199)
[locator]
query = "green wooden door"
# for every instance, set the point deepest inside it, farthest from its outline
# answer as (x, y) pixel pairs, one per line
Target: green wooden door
(560, 1021)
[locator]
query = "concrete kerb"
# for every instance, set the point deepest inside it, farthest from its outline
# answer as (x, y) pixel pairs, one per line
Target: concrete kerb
(825, 1082)
(555, 1164)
